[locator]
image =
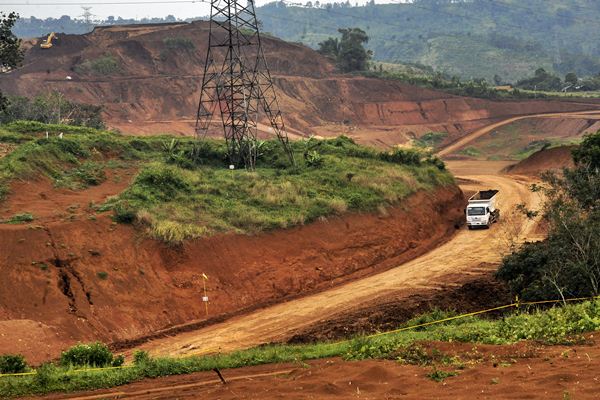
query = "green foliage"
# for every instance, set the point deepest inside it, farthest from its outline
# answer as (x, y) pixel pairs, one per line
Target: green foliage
(51, 107)
(20, 218)
(403, 156)
(178, 43)
(438, 375)
(567, 263)
(464, 38)
(11, 54)
(12, 364)
(183, 189)
(107, 64)
(349, 52)
(102, 275)
(431, 139)
(88, 355)
(542, 80)
(557, 325)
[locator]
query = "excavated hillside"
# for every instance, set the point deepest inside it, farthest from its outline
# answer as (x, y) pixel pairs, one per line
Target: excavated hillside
(148, 79)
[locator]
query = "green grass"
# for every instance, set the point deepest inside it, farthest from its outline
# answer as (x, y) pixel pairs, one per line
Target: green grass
(20, 218)
(560, 325)
(103, 65)
(183, 189)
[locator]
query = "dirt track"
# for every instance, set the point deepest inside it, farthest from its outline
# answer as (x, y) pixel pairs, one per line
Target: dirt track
(462, 142)
(463, 254)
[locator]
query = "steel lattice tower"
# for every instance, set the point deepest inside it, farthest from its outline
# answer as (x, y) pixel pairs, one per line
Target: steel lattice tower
(237, 82)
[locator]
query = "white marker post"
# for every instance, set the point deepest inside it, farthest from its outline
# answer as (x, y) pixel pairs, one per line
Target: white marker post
(231, 168)
(205, 297)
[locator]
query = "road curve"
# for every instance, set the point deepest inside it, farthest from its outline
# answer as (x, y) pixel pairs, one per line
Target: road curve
(460, 143)
(463, 254)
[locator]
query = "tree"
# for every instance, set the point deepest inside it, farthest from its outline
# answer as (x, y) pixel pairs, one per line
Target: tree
(571, 78)
(567, 263)
(330, 48)
(11, 54)
(352, 55)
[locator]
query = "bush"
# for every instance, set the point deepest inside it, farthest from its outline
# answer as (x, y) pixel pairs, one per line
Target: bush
(403, 156)
(12, 364)
(164, 181)
(87, 355)
(104, 65)
(140, 357)
(124, 213)
(176, 43)
(20, 218)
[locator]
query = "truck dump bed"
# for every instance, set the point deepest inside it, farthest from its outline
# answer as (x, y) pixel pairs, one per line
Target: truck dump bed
(484, 195)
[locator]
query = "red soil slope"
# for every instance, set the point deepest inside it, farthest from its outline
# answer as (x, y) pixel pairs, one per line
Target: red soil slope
(78, 279)
(553, 159)
(157, 89)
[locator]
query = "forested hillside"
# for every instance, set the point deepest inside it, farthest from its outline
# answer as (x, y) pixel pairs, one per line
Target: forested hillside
(475, 38)
(502, 39)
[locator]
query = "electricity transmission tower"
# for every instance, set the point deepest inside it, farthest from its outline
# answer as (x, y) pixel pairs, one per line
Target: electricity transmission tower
(237, 83)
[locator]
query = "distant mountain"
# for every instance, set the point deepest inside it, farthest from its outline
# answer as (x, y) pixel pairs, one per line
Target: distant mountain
(503, 39)
(471, 39)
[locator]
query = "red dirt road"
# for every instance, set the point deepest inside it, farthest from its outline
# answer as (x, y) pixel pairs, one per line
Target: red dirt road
(464, 254)
(462, 142)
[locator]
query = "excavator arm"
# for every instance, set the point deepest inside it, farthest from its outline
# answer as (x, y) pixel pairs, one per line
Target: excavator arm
(46, 44)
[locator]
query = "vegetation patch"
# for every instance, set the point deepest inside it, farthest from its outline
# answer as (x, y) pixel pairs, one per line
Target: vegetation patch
(21, 218)
(567, 263)
(107, 64)
(179, 43)
(558, 325)
(184, 189)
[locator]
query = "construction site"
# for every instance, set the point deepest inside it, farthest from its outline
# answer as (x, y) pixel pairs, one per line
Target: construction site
(245, 194)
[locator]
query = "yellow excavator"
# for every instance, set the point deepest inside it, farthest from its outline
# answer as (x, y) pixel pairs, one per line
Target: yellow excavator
(46, 44)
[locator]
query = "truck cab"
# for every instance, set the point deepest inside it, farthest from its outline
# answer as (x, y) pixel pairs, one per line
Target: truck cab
(481, 210)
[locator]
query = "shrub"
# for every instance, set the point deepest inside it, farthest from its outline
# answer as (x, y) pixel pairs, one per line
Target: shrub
(313, 159)
(164, 181)
(12, 364)
(104, 65)
(403, 156)
(84, 355)
(140, 357)
(124, 213)
(176, 43)
(44, 374)
(20, 218)
(102, 275)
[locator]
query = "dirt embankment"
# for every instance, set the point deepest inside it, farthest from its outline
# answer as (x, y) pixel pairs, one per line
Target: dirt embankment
(154, 87)
(65, 282)
(519, 371)
(552, 159)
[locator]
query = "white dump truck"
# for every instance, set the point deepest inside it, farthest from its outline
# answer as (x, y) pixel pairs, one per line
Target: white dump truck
(482, 209)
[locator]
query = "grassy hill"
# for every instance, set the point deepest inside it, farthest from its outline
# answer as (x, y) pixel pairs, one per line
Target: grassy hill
(184, 190)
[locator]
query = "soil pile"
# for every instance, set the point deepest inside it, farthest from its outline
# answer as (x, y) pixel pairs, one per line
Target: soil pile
(148, 79)
(552, 159)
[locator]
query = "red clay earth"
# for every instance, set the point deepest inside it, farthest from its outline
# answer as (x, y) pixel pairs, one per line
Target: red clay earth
(84, 279)
(156, 89)
(521, 371)
(553, 159)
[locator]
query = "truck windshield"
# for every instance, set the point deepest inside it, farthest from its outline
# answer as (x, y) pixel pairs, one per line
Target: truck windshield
(476, 211)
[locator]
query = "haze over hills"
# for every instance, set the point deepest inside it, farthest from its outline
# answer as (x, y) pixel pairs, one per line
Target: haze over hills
(505, 39)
